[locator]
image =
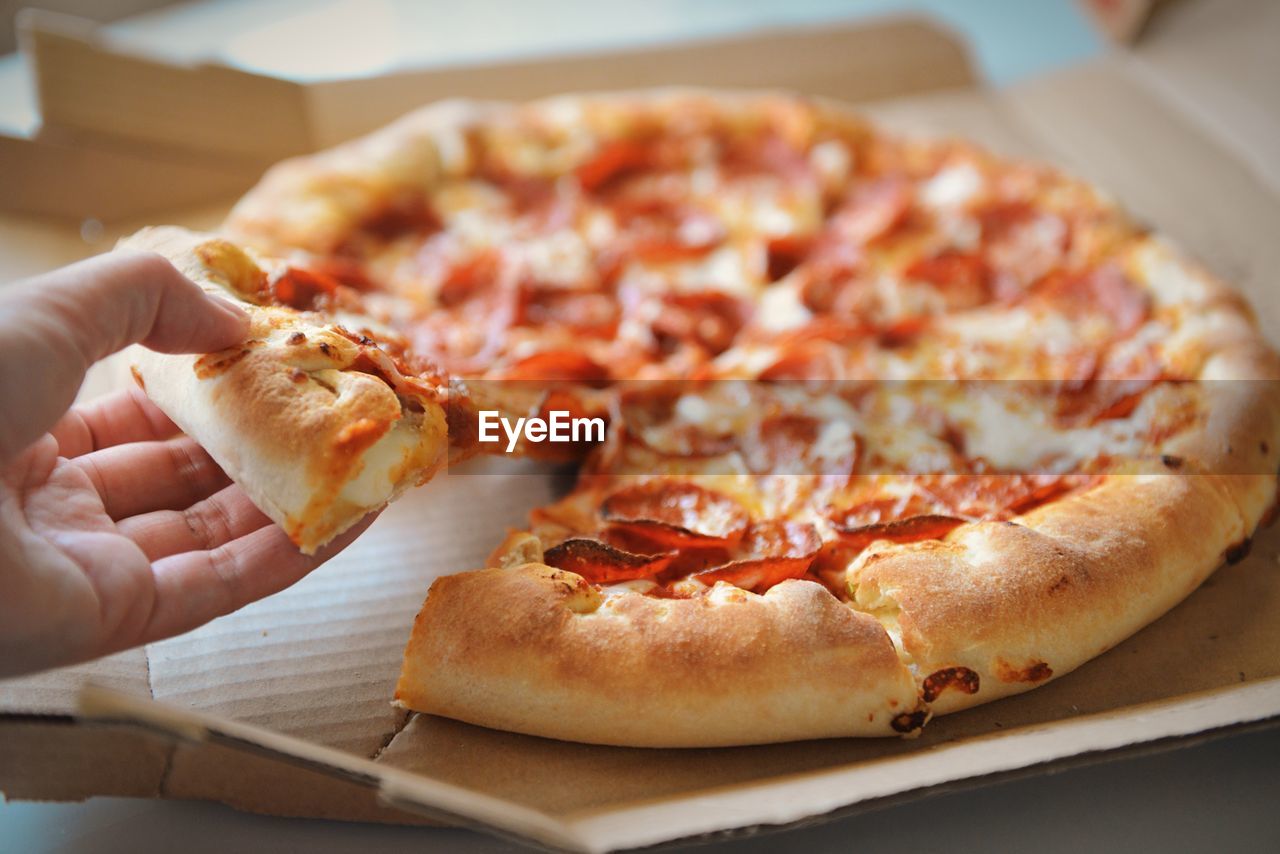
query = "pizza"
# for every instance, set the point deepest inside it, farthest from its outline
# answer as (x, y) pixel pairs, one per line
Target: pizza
(894, 427)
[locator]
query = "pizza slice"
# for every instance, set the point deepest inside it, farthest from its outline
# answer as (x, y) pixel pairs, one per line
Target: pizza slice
(314, 415)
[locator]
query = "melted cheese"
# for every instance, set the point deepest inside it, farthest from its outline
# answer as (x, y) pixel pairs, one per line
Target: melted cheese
(383, 466)
(953, 186)
(781, 309)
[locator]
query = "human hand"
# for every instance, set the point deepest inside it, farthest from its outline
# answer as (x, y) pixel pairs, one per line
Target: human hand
(115, 530)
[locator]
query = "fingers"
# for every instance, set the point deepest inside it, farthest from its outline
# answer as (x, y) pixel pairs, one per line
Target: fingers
(123, 298)
(222, 517)
(143, 476)
(193, 588)
(54, 327)
(126, 416)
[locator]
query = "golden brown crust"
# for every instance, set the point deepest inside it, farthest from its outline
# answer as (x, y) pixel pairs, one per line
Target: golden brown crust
(315, 443)
(1019, 603)
(314, 202)
(538, 650)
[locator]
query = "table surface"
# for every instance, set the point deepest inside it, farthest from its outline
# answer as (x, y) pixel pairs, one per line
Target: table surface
(1222, 794)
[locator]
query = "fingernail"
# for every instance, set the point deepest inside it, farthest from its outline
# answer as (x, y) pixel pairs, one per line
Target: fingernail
(232, 309)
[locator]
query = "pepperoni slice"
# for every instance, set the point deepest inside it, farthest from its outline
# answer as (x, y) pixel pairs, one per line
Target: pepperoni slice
(709, 319)
(675, 515)
(468, 279)
(830, 280)
(873, 209)
(586, 313)
(909, 530)
(1022, 243)
(767, 154)
(602, 563)
(878, 510)
(809, 360)
(964, 279)
(999, 496)
(1104, 290)
(781, 443)
(304, 290)
(614, 160)
(345, 271)
(558, 366)
(771, 553)
(660, 230)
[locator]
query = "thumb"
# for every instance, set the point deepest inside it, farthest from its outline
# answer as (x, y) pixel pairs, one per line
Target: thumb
(123, 298)
(53, 327)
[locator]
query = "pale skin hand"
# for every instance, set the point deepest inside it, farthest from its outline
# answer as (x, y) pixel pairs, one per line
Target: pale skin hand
(115, 530)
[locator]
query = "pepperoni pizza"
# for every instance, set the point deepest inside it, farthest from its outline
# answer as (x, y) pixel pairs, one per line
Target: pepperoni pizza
(895, 427)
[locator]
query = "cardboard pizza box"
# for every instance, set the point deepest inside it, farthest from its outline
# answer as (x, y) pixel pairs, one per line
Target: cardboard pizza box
(283, 708)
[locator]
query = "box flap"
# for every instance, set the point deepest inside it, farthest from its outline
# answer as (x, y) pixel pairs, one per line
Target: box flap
(763, 802)
(85, 82)
(1216, 61)
(857, 61)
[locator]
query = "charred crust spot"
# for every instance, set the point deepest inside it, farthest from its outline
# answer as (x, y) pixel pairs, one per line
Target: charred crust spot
(909, 722)
(1171, 461)
(1061, 584)
(1239, 551)
(212, 364)
(325, 348)
(1036, 671)
(297, 338)
(1264, 448)
(961, 678)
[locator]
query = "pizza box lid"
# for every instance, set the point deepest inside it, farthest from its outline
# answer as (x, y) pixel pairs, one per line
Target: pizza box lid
(282, 707)
(123, 131)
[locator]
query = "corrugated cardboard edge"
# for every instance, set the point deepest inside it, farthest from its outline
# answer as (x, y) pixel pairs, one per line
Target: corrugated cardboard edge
(789, 801)
(428, 797)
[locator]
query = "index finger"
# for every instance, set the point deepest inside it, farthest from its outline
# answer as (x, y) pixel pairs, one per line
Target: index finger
(126, 416)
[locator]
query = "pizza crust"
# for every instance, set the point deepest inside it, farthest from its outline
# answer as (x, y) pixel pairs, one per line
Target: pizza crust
(315, 444)
(1017, 604)
(538, 650)
(313, 202)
